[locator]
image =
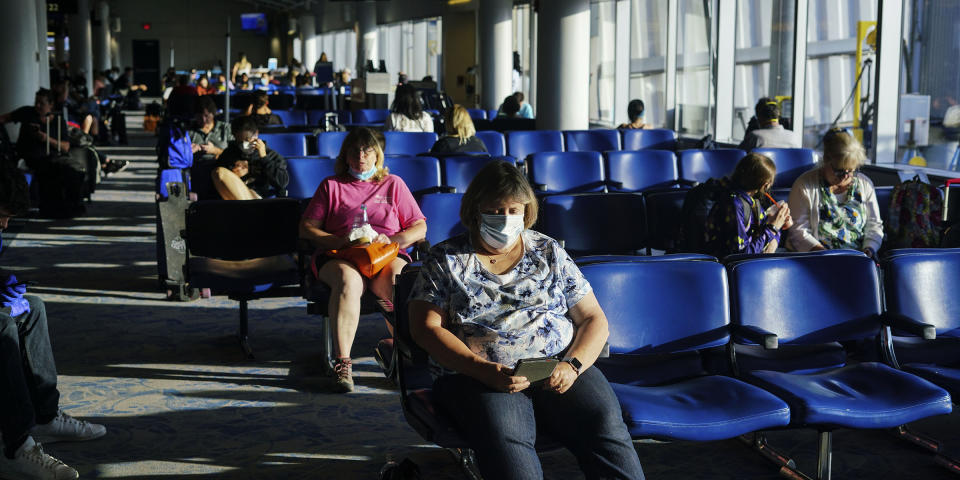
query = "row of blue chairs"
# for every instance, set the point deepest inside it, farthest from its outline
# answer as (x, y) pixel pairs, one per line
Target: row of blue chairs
(780, 329)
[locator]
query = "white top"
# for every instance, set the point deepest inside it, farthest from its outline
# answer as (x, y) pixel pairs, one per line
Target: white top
(400, 123)
(805, 208)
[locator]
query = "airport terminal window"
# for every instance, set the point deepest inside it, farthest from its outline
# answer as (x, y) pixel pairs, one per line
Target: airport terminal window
(522, 30)
(832, 67)
(930, 83)
(603, 31)
(648, 49)
(763, 57)
(695, 60)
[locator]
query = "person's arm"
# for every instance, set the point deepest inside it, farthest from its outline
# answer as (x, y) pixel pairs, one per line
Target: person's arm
(410, 235)
(4, 118)
(588, 341)
(274, 167)
(873, 229)
(801, 234)
(749, 142)
(310, 230)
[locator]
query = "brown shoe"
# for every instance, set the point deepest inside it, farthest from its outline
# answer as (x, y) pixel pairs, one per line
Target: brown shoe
(343, 375)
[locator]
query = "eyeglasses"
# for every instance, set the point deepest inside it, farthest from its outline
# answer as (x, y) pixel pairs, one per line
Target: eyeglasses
(842, 173)
(366, 152)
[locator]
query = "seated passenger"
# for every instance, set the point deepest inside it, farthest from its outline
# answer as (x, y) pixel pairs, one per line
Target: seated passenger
(244, 82)
(266, 83)
(36, 142)
(502, 293)
(737, 223)
(834, 205)
(635, 111)
(29, 400)
(362, 185)
(526, 111)
(406, 114)
(510, 108)
(461, 135)
(208, 136)
(259, 111)
(204, 87)
(769, 134)
(247, 169)
(508, 117)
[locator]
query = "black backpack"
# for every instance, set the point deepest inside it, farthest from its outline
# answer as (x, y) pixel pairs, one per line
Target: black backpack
(696, 208)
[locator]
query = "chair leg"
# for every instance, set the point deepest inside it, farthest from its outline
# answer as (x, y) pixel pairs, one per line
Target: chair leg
(825, 456)
(242, 333)
(788, 468)
(326, 344)
(930, 444)
(467, 462)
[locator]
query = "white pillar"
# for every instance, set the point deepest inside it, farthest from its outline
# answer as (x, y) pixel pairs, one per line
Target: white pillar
(308, 29)
(367, 34)
(494, 41)
(563, 70)
(80, 39)
(18, 35)
(101, 37)
(43, 65)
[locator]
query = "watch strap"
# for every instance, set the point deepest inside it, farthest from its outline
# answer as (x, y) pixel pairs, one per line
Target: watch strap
(575, 363)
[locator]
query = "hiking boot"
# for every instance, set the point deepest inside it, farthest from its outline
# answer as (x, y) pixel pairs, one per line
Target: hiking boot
(31, 463)
(65, 428)
(343, 375)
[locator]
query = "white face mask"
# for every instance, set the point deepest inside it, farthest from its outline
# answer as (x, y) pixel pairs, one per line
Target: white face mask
(264, 80)
(248, 146)
(500, 231)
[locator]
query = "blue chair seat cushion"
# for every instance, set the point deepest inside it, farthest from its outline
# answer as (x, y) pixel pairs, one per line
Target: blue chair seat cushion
(701, 409)
(941, 350)
(946, 377)
(243, 276)
(864, 395)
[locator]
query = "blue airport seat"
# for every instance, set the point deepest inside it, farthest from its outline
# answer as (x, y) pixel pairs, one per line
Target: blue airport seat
(328, 143)
(477, 113)
(281, 101)
(408, 143)
(821, 310)
(700, 165)
(591, 140)
(884, 195)
(492, 113)
(656, 335)
(458, 171)
(566, 172)
(663, 209)
(244, 250)
(494, 141)
(638, 170)
(595, 223)
(790, 162)
(286, 144)
(443, 216)
(657, 138)
(421, 174)
(371, 116)
(317, 117)
(292, 117)
(306, 173)
(521, 143)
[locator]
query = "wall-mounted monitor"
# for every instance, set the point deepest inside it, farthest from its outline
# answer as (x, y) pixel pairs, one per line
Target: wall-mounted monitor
(254, 22)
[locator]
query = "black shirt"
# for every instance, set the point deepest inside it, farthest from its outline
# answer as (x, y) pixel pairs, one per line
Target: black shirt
(451, 144)
(267, 175)
(29, 144)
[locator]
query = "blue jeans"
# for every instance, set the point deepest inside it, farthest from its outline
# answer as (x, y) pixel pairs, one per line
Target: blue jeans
(28, 375)
(502, 427)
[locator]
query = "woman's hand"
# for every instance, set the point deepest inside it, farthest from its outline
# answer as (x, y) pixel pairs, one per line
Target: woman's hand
(500, 378)
(561, 379)
(779, 219)
(260, 146)
(381, 238)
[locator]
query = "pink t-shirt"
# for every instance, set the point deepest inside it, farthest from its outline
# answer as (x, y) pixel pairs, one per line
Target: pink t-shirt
(390, 206)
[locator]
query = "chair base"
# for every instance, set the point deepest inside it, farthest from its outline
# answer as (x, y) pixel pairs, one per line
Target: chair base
(467, 461)
(243, 331)
(930, 444)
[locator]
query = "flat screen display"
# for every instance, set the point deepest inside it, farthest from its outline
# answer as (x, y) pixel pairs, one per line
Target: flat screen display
(254, 22)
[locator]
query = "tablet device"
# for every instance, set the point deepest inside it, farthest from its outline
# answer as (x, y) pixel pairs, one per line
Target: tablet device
(535, 369)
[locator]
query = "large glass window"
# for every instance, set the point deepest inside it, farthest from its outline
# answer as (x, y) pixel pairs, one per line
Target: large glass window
(603, 31)
(648, 49)
(832, 68)
(930, 84)
(695, 62)
(764, 58)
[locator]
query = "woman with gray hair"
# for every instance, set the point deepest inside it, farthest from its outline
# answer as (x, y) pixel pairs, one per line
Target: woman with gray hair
(834, 205)
(502, 293)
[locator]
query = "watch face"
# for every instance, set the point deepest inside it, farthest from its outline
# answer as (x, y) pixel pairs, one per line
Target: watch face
(574, 362)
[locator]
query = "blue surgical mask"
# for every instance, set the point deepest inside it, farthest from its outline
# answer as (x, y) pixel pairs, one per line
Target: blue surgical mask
(500, 231)
(363, 175)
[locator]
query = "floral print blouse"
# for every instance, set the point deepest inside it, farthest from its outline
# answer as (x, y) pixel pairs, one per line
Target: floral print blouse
(504, 318)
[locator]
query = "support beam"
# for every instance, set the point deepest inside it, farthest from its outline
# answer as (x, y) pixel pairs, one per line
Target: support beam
(18, 35)
(101, 37)
(494, 42)
(887, 81)
(563, 70)
(81, 58)
(366, 35)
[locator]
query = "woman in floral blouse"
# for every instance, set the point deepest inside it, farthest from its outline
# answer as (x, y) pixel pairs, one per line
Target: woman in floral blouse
(501, 293)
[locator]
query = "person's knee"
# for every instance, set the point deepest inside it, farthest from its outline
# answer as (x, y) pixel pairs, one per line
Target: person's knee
(36, 305)
(348, 280)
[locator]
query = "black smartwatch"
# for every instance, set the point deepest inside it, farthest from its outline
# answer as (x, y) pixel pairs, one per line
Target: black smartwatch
(574, 363)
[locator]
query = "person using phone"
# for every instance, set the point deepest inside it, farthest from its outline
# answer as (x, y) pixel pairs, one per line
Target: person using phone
(247, 169)
(736, 222)
(501, 293)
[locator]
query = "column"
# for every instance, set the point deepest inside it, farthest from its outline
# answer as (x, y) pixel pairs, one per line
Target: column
(43, 64)
(366, 35)
(101, 37)
(781, 48)
(59, 48)
(308, 29)
(18, 35)
(80, 39)
(494, 42)
(563, 70)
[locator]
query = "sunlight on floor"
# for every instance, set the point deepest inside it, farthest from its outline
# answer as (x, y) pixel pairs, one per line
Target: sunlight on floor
(158, 467)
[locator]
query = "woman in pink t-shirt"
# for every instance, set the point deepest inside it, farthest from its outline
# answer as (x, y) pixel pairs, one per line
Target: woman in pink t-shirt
(361, 182)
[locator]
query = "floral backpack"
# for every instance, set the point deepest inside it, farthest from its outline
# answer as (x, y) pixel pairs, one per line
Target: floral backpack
(916, 212)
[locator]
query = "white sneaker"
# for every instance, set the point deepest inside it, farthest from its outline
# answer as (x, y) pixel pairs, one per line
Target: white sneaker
(31, 463)
(65, 428)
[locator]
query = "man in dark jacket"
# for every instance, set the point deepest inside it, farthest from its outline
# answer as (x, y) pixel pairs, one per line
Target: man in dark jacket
(247, 169)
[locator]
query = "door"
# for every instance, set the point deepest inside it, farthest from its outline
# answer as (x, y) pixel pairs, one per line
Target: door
(146, 65)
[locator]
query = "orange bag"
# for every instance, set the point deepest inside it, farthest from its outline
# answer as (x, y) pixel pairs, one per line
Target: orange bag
(369, 258)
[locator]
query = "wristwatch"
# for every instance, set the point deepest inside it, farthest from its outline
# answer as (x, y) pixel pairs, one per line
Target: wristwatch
(574, 363)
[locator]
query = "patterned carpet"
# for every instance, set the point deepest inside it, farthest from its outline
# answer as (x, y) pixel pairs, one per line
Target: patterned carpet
(179, 399)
